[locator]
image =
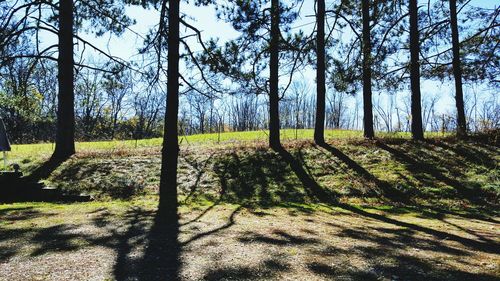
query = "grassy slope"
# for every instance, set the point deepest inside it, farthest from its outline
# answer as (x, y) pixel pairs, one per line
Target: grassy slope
(354, 210)
(440, 173)
(43, 149)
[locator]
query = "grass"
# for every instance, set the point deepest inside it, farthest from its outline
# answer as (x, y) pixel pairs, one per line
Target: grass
(119, 240)
(438, 173)
(44, 149)
(390, 209)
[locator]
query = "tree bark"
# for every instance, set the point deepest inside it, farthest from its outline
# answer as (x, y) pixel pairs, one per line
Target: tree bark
(274, 121)
(319, 128)
(416, 104)
(170, 151)
(65, 130)
(457, 72)
(367, 72)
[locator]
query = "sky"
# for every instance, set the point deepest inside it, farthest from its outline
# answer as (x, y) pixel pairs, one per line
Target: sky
(126, 46)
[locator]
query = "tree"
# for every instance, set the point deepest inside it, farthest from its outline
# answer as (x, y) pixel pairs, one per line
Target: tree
(367, 72)
(69, 16)
(416, 106)
(170, 151)
(244, 59)
(274, 121)
(65, 132)
(364, 59)
(457, 71)
(319, 127)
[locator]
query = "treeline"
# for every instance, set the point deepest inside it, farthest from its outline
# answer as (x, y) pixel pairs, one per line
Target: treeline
(355, 47)
(113, 100)
(120, 107)
(106, 106)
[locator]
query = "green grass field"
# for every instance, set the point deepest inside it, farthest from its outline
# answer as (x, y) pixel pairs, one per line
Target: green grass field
(43, 149)
(242, 168)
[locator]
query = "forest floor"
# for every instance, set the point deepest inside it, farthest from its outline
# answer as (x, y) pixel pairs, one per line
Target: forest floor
(390, 209)
(121, 241)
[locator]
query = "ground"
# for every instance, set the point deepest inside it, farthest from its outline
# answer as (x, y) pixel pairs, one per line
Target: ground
(389, 209)
(115, 241)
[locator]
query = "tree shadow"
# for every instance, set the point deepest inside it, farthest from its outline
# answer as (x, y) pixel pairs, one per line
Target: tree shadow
(487, 247)
(161, 260)
(387, 190)
(46, 169)
(270, 268)
(313, 189)
(283, 239)
(256, 178)
(200, 169)
(328, 197)
(378, 244)
(468, 151)
(418, 167)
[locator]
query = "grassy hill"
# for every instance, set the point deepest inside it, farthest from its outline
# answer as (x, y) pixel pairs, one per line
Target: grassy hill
(43, 149)
(389, 209)
(393, 170)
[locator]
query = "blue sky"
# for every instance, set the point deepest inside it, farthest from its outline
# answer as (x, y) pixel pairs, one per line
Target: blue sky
(204, 18)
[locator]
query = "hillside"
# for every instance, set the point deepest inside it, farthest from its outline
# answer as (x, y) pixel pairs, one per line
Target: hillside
(440, 172)
(390, 209)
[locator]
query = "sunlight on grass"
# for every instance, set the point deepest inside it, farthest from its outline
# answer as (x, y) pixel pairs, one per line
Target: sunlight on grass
(45, 149)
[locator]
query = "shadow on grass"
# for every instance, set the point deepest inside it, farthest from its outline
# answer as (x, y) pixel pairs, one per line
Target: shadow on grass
(200, 169)
(419, 167)
(376, 240)
(253, 176)
(313, 189)
(261, 178)
(487, 247)
(385, 187)
(45, 169)
(468, 151)
(161, 260)
(256, 178)
(327, 197)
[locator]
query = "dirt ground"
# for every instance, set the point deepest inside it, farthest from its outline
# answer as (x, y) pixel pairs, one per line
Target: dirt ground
(230, 242)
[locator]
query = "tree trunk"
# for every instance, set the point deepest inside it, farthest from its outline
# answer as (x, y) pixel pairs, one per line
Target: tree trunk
(319, 128)
(367, 72)
(416, 106)
(274, 121)
(457, 72)
(170, 151)
(65, 131)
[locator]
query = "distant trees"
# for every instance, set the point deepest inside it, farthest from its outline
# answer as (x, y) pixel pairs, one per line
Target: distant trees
(359, 50)
(117, 88)
(89, 104)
